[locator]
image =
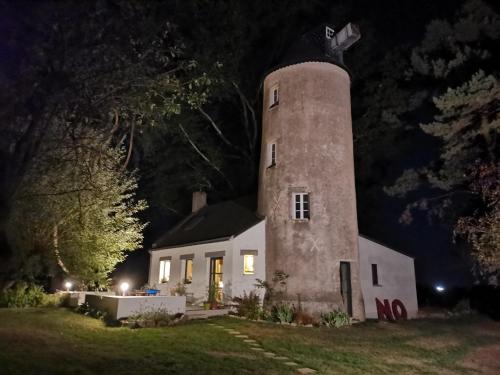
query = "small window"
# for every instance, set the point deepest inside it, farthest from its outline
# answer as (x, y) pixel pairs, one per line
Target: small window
(164, 271)
(274, 97)
(301, 206)
(248, 264)
(271, 154)
(374, 274)
(188, 271)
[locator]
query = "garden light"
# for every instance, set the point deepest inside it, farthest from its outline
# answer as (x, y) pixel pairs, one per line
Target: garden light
(124, 287)
(440, 288)
(221, 285)
(68, 285)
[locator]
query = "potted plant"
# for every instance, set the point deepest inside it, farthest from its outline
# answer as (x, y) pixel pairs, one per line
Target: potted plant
(212, 296)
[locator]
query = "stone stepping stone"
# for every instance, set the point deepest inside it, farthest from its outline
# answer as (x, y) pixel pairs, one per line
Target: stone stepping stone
(291, 364)
(257, 349)
(234, 333)
(242, 336)
(254, 344)
(250, 341)
(306, 370)
(281, 358)
(269, 354)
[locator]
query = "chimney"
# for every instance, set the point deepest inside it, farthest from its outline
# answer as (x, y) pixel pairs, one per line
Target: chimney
(199, 200)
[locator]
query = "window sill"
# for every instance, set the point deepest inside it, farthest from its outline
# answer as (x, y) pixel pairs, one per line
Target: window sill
(271, 166)
(377, 285)
(301, 220)
(249, 274)
(274, 105)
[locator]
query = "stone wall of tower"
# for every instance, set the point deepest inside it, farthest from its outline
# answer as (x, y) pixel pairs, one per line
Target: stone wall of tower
(312, 129)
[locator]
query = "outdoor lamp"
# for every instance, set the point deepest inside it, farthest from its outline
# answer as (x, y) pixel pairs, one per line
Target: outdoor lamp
(124, 287)
(440, 288)
(68, 285)
(221, 284)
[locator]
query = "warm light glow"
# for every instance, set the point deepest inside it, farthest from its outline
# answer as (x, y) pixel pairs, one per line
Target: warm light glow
(248, 265)
(221, 285)
(124, 287)
(68, 285)
(440, 288)
(164, 271)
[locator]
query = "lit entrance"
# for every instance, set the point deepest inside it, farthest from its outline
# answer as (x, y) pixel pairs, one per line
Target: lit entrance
(216, 265)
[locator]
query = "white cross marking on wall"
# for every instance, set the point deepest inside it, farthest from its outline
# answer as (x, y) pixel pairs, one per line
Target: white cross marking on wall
(315, 245)
(276, 205)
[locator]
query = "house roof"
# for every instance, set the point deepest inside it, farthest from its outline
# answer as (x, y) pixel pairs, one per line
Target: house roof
(212, 223)
(386, 246)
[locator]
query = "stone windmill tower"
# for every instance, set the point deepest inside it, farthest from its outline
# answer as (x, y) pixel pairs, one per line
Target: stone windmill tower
(306, 177)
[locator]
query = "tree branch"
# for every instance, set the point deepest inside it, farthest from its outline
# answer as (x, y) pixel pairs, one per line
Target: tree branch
(203, 156)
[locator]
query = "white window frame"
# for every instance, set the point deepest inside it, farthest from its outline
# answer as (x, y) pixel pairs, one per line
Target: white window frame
(164, 271)
(252, 270)
(300, 212)
(274, 96)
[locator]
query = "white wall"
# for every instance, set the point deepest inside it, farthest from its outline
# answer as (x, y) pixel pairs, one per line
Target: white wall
(235, 282)
(396, 278)
(199, 286)
(252, 239)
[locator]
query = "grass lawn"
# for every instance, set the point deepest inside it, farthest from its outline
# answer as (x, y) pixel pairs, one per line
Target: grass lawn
(58, 341)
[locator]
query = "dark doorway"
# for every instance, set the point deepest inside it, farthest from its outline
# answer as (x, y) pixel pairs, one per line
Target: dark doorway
(345, 285)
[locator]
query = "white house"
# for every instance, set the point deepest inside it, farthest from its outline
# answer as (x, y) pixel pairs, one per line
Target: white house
(221, 245)
(387, 276)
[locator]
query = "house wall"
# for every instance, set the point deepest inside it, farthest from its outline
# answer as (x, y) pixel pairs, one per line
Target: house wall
(396, 278)
(235, 282)
(312, 129)
(252, 239)
(201, 270)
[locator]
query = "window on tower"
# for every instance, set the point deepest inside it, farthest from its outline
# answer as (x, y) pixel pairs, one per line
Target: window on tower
(274, 96)
(301, 209)
(271, 154)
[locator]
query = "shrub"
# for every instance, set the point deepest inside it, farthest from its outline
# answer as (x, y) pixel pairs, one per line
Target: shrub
(154, 318)
(55, 300)
(303, 318)
(249, 306)
(336, 318)
(22, 295)
(283, 313)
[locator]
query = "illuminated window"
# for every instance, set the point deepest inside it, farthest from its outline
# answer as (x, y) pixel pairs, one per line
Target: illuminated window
(301, 206)
(248, 264)
(274, 96)
(164, 270)
(188, 272)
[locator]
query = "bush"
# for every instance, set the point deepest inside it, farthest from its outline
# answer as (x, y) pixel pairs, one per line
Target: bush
(23, 295)
(55, 300)
(282, 313)
(249, 306)
(302, 318)
(336, 318)
(154, 318)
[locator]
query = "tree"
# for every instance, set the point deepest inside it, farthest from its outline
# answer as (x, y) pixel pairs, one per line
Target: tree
(466, 121)
(75, 213)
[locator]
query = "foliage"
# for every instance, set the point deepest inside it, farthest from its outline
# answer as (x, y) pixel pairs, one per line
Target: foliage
(273, 291)
(77, 207)
(335, 318)
(213, 290)
(180, 289)
(482, 228)
(282, 312)
(23, 295)
(249, 306)
(155, 317)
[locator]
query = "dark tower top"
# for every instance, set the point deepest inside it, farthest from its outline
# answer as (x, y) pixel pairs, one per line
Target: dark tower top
(323, 44)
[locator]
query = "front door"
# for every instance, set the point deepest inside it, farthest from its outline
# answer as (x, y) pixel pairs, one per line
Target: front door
(216, 265)
(345, 285)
